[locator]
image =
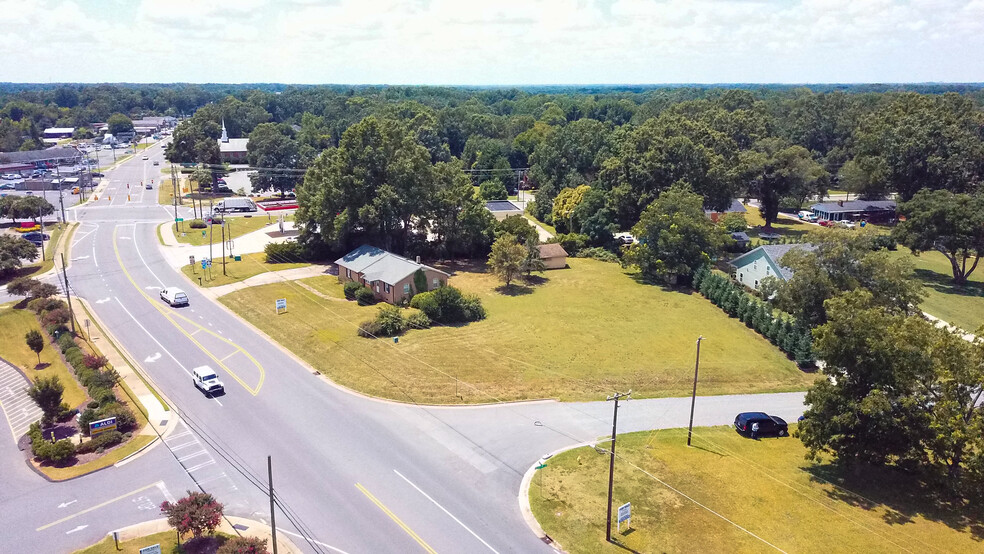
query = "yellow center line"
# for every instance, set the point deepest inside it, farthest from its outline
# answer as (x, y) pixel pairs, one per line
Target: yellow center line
(170, 315)
(97, 506)
(392, 516)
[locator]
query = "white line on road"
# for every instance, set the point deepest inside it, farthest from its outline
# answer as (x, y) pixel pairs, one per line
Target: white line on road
(79, 528)
(200, 466)
(153, 338)
(66, 504)
(328, 546)
(447, 512)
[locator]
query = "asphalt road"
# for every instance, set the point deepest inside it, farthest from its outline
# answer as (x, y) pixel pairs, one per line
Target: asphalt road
(353, 474)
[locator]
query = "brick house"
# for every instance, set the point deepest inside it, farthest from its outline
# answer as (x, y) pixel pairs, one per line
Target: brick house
(390, 277)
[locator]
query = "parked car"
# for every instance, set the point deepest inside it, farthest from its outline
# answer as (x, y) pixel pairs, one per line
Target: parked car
(207, 381)
(157, 162)
(146, 157)
(756, 424)
(846, 224)
(174, 296)
(97, 174)
(36, 237)
(825, 223)
(11, 176)
(624, 238)
(806, 215)
(6, 186)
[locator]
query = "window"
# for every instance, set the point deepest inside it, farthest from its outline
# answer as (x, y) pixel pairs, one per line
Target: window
(406, 288)
(437, 282)
(755, 264)
(377, 287)
(756, 283)
(348, 273)
(766, 270)
(387, 288)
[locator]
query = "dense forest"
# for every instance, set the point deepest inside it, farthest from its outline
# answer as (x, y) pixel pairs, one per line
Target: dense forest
(385, 162)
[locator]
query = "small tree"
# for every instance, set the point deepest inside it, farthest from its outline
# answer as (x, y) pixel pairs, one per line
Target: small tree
(533, 261)
(244, 545)
(13, 250)
(493, 189)
(420, 281)
(35, 342)
(47, 394)
(506, 258)
(197, 513)
(734, 222)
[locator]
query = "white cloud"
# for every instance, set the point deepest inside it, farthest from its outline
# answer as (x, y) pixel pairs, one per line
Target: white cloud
(493, 42)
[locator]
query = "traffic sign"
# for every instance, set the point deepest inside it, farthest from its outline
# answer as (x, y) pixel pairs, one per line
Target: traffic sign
(178, 219)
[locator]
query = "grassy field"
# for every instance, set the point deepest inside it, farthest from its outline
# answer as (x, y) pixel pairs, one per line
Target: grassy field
(251, 264)
(962, 306)
(165, 191)
(787, 228)
(582, 333)
(14, 324)
(764, 486)
(236, 227)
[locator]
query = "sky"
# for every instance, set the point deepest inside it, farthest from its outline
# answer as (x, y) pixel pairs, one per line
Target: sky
(502, 42)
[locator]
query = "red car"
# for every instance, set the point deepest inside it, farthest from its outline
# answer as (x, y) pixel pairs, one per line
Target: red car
(825, 223)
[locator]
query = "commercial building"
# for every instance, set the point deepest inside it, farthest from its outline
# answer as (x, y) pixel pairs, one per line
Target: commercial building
(57, 133)
(43, 158)
(232, 150)
(390, 277)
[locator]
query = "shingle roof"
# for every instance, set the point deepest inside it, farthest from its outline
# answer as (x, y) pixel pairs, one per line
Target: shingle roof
(31, 156)
(501, 206)
(740, 235)
(735, 206)
(856, 206)
(775, 252)
(377, 264)
(552, 250)
(234, 145)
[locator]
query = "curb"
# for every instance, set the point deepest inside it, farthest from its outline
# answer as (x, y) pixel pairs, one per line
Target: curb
(230, 525)
(524, 496)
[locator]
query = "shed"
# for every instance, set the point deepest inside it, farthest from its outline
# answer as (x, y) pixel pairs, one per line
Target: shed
(553, 255)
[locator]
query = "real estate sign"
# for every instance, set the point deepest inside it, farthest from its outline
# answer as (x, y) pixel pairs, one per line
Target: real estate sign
(101, 426)
(155, 549)
(624, 514)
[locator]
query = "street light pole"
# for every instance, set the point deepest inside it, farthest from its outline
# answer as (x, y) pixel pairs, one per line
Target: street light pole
(611, 464)
(693, 397)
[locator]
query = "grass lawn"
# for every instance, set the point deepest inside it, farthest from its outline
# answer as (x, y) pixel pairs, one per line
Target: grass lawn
(765, 486)
(962, 306)
(168, 541)
(236, 227)
(14, 324)
(252, 264)
(165, 191)
(583, 333)
(787, 228)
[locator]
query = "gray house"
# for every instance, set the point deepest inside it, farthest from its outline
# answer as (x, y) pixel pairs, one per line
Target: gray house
(855, 209)
(752, 267)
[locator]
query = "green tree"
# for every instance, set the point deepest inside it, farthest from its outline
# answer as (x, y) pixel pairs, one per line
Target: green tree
(565, 204)
(13, 250)
(198, 513)
(532, 261)
(119, 123)
(774, 170)
(507, 257)
(274, 152)
(459, 221)
(31, 207)
(840, 260)
(35, 342)
(493, 189)
(951, 224)
(675, 236)
(567, 157)
(733, 222)
(519, 227)
(46, 392)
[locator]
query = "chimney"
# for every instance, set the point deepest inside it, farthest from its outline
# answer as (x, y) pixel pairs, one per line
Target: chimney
(418, 260)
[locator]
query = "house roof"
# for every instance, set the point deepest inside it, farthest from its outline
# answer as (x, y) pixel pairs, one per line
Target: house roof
(740, 236)
(31, 156)
(735, 206)
(60, 130)
(774, 252)
(501, 206)
(376, 264)
(552, 250)
(234, 145)
(856, 206)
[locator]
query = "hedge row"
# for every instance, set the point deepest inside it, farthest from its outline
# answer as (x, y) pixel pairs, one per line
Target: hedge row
(787, 334)
(48, 451)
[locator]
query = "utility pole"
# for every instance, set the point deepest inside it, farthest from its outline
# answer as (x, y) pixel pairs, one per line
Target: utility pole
(223, 248)
(273, 514)
(611, 464)
(61, 201)
(68, 294)
(693, 397)
(41, 219)
(174, 185)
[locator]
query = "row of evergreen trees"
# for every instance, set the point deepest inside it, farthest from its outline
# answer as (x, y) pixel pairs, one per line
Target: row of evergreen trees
(789, 335)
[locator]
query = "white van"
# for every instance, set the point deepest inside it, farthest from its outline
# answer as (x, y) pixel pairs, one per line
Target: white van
(206, 381)
(174, 296)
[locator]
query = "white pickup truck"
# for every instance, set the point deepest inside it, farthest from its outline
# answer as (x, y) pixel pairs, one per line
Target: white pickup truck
(206, 380)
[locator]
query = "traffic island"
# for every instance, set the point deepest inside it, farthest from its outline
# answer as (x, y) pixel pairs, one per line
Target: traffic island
(131, 539)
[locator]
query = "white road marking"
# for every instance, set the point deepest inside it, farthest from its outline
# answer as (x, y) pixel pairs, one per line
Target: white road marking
(79, 528)
(152, 337)
(94, 256)
(103, 300)
(447, 512)
(200, 466)
(328, 546)
(153, 358)
(66, 504)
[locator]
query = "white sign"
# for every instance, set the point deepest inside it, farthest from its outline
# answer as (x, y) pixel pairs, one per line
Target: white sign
(281, 304)
(624, 514)
(155, 549)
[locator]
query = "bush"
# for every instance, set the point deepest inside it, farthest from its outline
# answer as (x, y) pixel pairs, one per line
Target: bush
(106, 439)
(244, 545)
(598, 253)
(472, 309)
(426, 302)
(41, 305)
(65, 342)
(75, 357)
(418, 320)
(734, 222)
(47, 451)
(370, 329)
(572, 242)
(447, 305)
(58, 316)
(391, 321)
(93, 361)
(350, 288)
(881, 242)
(197, 224)
(284, 252)
(365, 297)
(125, 420)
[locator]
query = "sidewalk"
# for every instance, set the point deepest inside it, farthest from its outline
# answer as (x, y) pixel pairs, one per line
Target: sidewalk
(969, 337)
(158, 416)
(316, 270)
(243, 526)
(177, 253)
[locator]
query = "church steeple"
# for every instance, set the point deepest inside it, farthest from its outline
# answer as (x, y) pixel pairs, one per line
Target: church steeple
(225, 135)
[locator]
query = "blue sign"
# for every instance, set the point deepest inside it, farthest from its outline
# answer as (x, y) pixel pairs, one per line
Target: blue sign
(102, 425)
(625, 512)
(204, 264)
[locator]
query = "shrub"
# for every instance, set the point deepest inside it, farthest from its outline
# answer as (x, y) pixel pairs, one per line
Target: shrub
(93, 361)
(447, 305)
(244, 545)
(426, 302)
(197, 224)
(472, 309)
(92, 404)
(418, 320)
(572, 242)
(365, 297)
(41, 305)
(75, 357)
(47, 451)
(370, 329)
(391, 321)
(734, 222)
(881, 242)
(125, 420)
(350, 288)
(65, 342)
(598, 253)
(284, 252)
(106, 439)
(196, 513)
(56, 317)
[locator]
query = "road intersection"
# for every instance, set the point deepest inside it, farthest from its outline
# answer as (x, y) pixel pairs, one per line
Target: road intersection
(353, 474)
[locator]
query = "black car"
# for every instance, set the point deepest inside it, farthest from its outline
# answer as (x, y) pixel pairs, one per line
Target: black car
(97, 174)
(745, 424)
(36, 237)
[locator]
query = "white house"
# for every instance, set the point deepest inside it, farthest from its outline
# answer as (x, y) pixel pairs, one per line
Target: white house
(754, 266)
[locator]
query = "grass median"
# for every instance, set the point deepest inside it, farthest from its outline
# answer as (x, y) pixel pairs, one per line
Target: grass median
(235, 228)
(582, 333)
(765, 486)
(251, 265)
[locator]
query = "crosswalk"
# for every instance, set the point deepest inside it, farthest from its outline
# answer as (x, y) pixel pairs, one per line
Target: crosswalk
(198, 461)
(20, 410)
